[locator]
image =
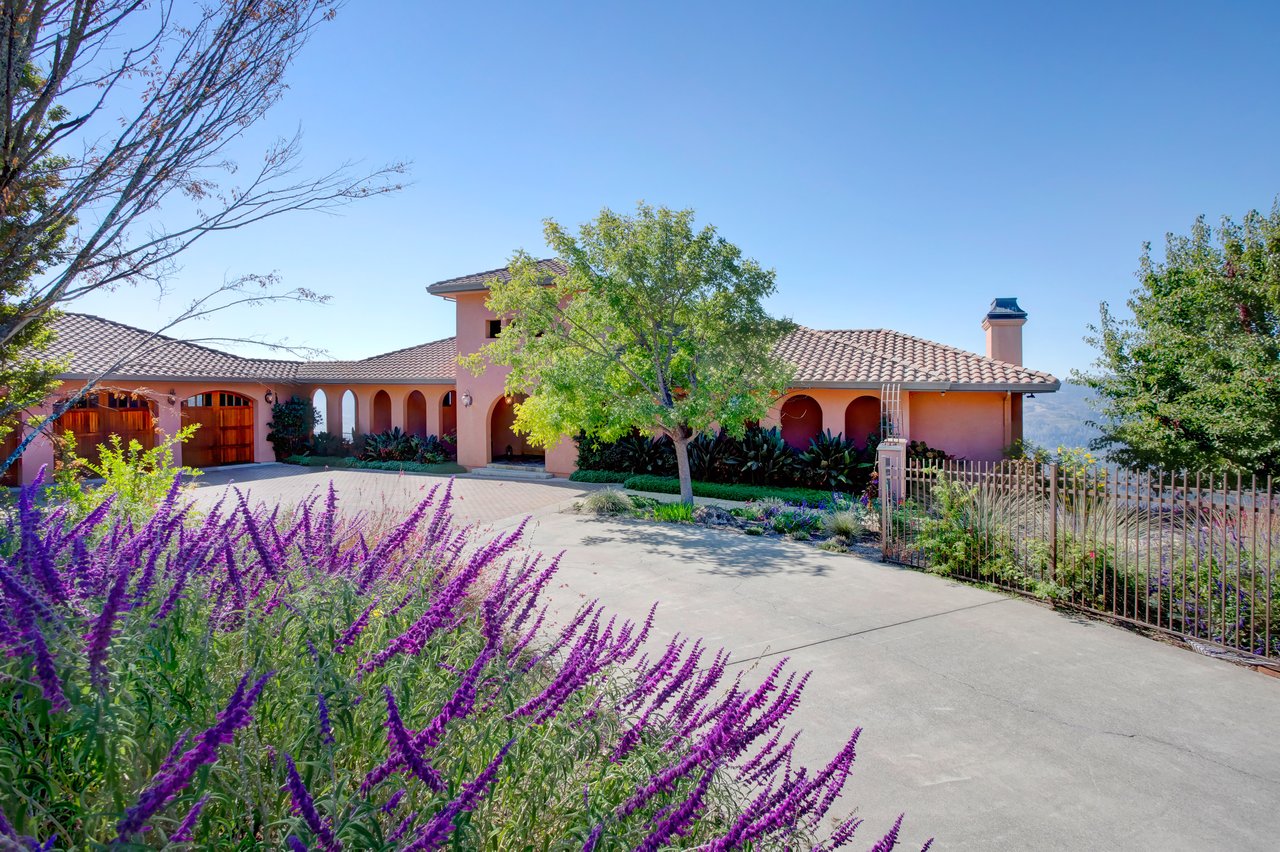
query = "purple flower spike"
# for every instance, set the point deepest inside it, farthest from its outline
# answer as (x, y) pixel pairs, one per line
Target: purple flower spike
(890, 840)
(295, 844)
(306, 806)
(183, 834)
(437, 831)
(170, 780)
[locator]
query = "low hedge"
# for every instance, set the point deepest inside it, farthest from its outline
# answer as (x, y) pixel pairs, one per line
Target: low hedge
(720, 491)
(599, 476)
(357, 464)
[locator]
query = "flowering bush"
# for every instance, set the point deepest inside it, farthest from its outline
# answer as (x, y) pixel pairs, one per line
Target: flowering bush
(132, 478)
(259, 679)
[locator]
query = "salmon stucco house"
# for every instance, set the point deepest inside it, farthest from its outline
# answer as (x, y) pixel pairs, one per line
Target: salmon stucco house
(851, 381)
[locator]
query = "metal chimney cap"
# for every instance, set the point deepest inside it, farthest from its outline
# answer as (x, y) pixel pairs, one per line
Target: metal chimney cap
(1005, 307)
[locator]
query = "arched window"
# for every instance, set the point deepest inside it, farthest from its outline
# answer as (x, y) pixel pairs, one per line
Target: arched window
(320, 400)
(348, 414)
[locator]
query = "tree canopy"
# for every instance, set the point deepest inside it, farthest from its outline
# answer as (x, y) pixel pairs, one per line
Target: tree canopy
(1192, 380)
(654, 326)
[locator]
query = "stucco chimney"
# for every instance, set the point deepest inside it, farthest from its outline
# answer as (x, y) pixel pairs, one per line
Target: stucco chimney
(1003, 325)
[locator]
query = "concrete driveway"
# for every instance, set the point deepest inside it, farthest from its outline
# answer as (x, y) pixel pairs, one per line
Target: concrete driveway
(994, 722)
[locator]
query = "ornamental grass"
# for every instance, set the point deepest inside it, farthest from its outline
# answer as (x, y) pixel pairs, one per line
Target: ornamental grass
(252, 678)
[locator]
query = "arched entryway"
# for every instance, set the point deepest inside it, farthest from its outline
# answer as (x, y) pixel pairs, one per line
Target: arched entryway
(225, 435)
(350, 408)
(100, 414)
(801, 421)
(381, 412)
(320, 402)
(862, 420)
(448, 414)
(504, 443)
(415, 414)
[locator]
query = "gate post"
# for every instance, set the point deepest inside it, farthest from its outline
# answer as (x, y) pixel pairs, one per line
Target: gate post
(891, 462)
(1053, 521)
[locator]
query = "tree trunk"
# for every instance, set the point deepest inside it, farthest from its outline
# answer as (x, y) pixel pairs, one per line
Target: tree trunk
(681, 438)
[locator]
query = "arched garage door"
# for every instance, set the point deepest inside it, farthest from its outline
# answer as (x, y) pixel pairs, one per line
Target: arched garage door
(100, 414)
(225, 435)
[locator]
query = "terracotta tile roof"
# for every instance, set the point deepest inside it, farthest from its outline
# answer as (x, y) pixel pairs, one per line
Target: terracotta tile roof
(842, 358)
(480, 280)
(94, 345)
(432, 363)
(872, 357)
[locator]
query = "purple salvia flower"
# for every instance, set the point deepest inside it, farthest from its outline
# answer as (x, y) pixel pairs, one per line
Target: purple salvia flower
(403, 753)
(306, 806)
(594, 837)
(394, 801)
(928, 844)
(440, 826)
(353, 632)
(183, 834)
(295, 844)
(326, 727)
(403, 828)
(890, 840)
(677, 822)
(163, 786)
(98, 639)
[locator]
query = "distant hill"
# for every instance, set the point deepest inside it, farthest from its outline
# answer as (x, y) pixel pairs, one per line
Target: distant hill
(1054, 420)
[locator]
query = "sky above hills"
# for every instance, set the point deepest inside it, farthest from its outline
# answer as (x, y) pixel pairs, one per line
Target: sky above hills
(899, 165)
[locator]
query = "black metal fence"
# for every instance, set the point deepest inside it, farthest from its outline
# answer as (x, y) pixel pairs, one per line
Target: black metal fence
(1194, 555)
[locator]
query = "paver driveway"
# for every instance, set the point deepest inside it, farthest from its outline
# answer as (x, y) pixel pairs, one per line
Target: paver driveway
(475, 500)
(994, 722)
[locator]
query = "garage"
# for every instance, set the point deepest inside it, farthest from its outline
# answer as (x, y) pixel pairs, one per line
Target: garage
(225, 435)
(98, 415)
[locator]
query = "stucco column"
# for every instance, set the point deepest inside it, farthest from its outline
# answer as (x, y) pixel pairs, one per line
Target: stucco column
(39, 453)
(364, 412)
(833, 409)
(399, 401)
(434, 399)
(332, 410)
(169, 421)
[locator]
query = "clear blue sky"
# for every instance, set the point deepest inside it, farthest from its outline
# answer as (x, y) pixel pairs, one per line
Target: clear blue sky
(899, 164)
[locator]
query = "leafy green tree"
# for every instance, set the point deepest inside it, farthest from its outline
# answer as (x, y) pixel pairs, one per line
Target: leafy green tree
(654, 327)
(1192, 381)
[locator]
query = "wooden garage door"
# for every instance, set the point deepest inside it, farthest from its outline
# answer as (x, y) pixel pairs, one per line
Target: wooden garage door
(13, 476)
(98, 416)
(225, 435)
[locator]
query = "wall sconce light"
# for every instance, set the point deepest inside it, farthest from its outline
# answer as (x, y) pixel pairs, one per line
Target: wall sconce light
(466, 399)
(172, 398)
(269, 397)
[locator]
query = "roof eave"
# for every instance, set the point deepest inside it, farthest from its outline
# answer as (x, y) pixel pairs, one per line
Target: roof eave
(962, 387)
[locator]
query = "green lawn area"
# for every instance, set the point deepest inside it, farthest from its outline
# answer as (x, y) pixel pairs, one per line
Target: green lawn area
(444, 468)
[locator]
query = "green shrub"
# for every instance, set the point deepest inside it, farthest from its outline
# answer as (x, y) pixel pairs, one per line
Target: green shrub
(329, 444)
(677, 513)
(965, 532)
(753, 530)
(719, 491)
(610, 501)
(835, 463)
(762, 457)
(292, 422)
(833, 545)
(847, 523)
(598, 476)
(361, 464)
(135, 479)
(796, 520)
(799, 535)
